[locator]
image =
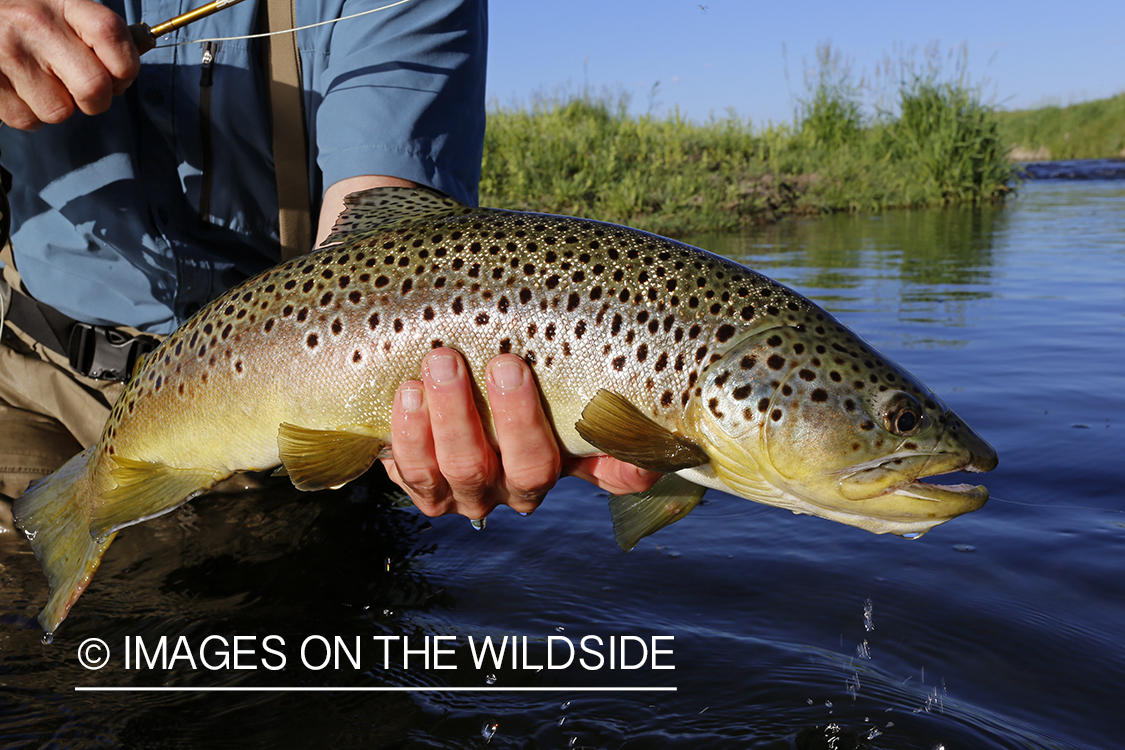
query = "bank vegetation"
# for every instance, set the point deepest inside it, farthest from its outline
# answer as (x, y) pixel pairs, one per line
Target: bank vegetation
(933, 143)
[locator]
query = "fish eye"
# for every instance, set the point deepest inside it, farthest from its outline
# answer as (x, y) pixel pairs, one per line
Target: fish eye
(903, 416)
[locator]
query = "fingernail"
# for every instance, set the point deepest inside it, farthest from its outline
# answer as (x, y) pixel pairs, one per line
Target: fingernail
(410, 398)
(507, 375)
(442, 368)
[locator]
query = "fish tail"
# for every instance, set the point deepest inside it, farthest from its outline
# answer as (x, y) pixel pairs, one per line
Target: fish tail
(53, 513)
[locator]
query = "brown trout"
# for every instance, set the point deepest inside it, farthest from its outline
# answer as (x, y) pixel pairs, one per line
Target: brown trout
(646, 349)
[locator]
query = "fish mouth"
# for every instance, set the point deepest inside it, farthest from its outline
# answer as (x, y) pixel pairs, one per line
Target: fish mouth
(892, 488)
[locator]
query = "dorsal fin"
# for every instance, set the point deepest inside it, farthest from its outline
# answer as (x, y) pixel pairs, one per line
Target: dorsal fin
(379, 209)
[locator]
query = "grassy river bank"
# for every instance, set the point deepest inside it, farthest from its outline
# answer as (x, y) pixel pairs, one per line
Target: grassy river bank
(586, 155)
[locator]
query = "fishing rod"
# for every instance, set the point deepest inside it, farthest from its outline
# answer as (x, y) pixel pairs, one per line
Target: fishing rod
(145, 36)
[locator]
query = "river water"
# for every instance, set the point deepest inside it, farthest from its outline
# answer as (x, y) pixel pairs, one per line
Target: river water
(1001, 629)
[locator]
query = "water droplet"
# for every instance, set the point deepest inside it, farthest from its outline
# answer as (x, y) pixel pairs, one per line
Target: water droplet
(488, 730)
(868, 616)
(490, 679)
(478, 523)
(525, 515)
(912, 535)
(48, 638)
(559, 628)
(30, 535)
(562, 720)
(564, 706)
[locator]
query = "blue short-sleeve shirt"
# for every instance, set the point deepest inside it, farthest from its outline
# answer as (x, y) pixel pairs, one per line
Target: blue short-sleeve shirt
(140, 215)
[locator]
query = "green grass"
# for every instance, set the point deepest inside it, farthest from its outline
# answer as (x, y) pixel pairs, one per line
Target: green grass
(587, 156)
(1090, 130)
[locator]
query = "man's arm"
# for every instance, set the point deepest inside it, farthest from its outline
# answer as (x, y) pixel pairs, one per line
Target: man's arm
(59, 55)
(443, 458)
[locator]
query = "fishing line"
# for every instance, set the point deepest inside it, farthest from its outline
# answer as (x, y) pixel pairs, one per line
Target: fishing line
(283, 31)
(1049, 505)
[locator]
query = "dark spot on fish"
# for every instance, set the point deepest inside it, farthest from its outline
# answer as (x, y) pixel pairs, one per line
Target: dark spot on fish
(308, 285)
(503, 304)
(572, 301)
(457, 306)
(725, 332)
(549, 332)
(867, 426)
(398, 325)
(241, 314)
(525, 295)
(289, 285)
(763, 405)
(481, 319)
(226, 331)
(742, 392)
(287, 311)
(713, 405)
(807, 374)
(619, 363)
(776, 361)
(326, 299)
(849, 405)
(819, 395)
(302, 314)
(579, 329)
(666, 399)
(337, 326)
(786, 390)
(238, 365)
(373, 321)
(312, 340)
(505, 346)
(775, 415)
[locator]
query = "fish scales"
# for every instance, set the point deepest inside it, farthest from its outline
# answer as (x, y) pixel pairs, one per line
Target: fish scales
(589, 306)
(736, 381)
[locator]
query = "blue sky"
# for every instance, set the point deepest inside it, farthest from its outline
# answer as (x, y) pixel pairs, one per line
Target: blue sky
(711, 56)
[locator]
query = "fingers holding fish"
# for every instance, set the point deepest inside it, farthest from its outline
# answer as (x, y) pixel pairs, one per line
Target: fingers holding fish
(612, 475)
(442, 457)
(528, 449)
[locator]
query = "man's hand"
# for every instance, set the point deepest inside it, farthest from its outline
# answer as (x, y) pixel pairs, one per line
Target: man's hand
(444, 460)
(58, 55)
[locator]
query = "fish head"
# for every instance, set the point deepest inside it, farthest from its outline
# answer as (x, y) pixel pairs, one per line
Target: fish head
(812, 418)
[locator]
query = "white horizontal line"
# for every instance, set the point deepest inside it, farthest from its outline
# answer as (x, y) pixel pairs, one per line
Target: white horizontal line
(165, 689)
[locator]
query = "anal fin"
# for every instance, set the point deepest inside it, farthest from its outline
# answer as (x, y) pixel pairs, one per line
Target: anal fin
(325, 459)
(144, 490)
(637, 515)
(612, 424)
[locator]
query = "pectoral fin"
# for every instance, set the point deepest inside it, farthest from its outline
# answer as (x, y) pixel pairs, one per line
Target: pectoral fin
(642, 513)
(325, 459)
(613, 425)
(145, 490)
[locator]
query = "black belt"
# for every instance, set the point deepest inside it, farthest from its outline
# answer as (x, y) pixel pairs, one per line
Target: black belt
(99, 352)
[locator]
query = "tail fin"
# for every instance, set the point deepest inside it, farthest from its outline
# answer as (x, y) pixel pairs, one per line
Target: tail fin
(55, 516)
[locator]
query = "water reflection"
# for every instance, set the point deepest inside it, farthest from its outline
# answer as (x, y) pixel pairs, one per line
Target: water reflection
(921, 267)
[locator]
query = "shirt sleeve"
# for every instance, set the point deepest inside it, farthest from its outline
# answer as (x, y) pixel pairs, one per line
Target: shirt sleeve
(401, 93)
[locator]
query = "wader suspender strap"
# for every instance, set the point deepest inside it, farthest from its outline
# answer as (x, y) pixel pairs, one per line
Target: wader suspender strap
(290, 144)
